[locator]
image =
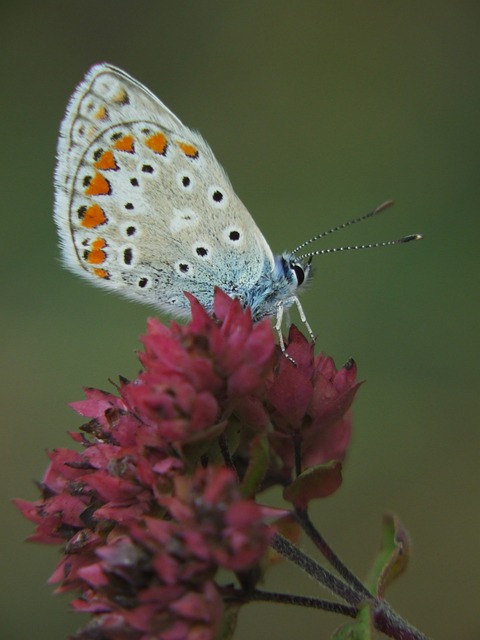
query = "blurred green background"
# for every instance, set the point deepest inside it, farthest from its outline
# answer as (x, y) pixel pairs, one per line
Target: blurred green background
(318, 111)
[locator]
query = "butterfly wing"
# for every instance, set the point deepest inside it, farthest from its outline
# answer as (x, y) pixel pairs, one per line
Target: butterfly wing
(142, 206)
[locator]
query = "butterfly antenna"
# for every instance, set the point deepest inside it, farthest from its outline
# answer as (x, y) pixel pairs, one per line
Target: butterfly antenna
(387, 243)
(380, 209)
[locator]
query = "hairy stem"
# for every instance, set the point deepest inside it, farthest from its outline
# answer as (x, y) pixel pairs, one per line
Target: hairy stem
(319, 541)
(237, 595)
(297, 453)
(392, 625)
(285, 548)
(385, 619)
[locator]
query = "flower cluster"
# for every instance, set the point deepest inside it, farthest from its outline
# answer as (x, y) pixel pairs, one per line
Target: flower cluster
(309, 408)
(166, 489)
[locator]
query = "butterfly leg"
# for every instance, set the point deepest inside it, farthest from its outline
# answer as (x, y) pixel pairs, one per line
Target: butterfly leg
(278, 329)
(303, 318)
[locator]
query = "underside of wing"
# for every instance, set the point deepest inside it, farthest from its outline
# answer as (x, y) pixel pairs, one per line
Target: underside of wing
(142, 205)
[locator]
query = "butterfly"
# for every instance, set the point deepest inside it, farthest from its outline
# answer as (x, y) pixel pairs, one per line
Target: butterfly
(143, 207)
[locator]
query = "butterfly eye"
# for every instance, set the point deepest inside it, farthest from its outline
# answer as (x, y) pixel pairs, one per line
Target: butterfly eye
(299, 272)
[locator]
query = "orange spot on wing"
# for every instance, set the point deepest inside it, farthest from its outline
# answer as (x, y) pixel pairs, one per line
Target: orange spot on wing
(157, 143)
(94, 216)
(125, 143)
(98, 186)
(101, 273)
(106, 161)
(121, 97)
(188, 149)
(96, 255)
(102, 113)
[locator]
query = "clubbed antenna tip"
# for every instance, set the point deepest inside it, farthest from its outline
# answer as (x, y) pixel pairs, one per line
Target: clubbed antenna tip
(412, 236)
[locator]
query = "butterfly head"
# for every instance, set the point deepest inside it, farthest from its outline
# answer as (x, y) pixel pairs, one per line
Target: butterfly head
(296, 272)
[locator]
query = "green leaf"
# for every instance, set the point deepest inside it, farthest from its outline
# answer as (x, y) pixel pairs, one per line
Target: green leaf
(318, 481)
(287, 527)
(392, 558)
(361, 629)
(229, 622)
(257, 466)
(206, 443)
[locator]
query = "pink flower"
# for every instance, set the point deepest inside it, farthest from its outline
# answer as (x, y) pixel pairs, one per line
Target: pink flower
(155, 576)
(196, 375)
(309, 407)
(163, 494)
(218, 524)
